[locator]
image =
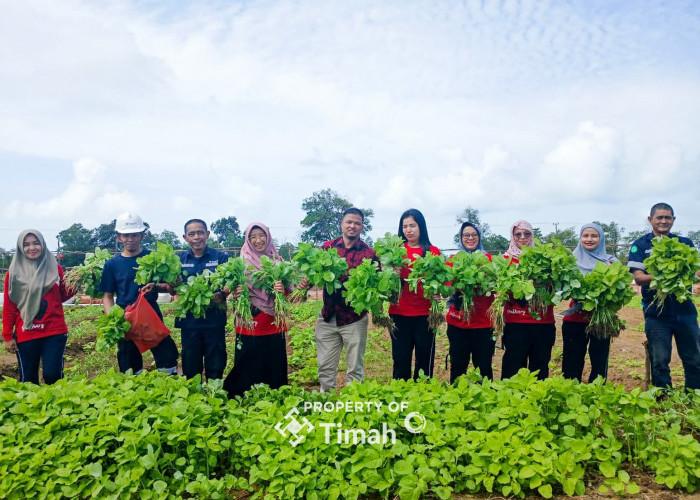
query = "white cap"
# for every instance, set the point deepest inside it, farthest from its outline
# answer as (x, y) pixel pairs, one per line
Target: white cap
(128, 223)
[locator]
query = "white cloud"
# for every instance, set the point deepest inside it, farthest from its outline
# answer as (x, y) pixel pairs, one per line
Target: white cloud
(181, 204)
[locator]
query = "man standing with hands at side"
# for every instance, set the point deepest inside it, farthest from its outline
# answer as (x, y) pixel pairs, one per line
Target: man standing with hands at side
(679, 320)
(339, 325)
(203, 339)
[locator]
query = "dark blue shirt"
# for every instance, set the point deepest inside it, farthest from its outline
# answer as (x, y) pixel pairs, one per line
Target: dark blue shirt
(118, 277)
(193, 266)
(640, 250)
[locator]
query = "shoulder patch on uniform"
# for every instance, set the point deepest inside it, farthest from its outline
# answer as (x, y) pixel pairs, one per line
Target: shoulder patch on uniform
(633, 248)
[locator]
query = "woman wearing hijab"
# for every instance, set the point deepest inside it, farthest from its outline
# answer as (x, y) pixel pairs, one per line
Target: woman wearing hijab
(589, 252)
(528, 341)
(410, 315)
(33, 325)
(261, 352)
(471, 337)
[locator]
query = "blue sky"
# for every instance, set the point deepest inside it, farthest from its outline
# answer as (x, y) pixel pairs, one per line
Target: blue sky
(547, 111)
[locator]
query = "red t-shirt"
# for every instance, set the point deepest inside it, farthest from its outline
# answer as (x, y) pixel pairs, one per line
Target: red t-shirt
(412, 303)
(579, 316)
(49, 321)
(263, 324)
(515, 313)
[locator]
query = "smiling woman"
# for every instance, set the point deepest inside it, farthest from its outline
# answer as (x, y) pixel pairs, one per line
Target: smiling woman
(33, 325)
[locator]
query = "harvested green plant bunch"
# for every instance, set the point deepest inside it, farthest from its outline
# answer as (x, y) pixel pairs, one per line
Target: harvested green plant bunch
(230, 276)
(195, 295)
(265, 278)
(86, 277)
(553, 270)
(473, 274)
(323, 268)
(368, 289)
(606, 289)
(160, 266)
(391, 251)
(509, 284)
(111, 328)
(432, 272)
(672, 265)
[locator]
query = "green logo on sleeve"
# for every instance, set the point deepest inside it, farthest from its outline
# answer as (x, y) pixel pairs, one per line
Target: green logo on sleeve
(633, 249)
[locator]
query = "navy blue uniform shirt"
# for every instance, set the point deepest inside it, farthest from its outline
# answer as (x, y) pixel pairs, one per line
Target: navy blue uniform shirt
(118, 277)
(193, 266)
(640, 250)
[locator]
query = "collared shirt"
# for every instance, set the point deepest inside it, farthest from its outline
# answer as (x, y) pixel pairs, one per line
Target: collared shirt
(334, 304)
(640, 250)
(193, 266)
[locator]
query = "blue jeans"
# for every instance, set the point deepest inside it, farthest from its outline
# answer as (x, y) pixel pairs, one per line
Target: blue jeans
(659, 334)
(48, 350)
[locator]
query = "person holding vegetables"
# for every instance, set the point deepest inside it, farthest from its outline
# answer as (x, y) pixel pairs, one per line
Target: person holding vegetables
(118, 279)
(338, 325)
(410, 314)
(589, 252)
(670, 318)
(33, 324)
(528, 337)
(470, 335)
(261, 355)
(203, 339)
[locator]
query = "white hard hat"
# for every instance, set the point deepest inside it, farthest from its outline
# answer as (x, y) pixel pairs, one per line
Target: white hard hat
(129, 223)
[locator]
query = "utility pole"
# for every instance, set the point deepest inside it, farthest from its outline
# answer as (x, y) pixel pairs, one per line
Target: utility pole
(556, 227)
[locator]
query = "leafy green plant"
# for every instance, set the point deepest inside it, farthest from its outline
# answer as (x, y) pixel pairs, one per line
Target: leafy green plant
(195, 295)
(510, 283)
(159, 266)
(553, 270)
(472, 274)
(323, 268)
(433, 274)
(391, 251)
(86, 277)
(605, 291)
(672, 265)
(111, 328)
(368, 288)
(265, 278)
(229, 276)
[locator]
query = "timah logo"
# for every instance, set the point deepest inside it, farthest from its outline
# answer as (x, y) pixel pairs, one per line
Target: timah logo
(294, 427)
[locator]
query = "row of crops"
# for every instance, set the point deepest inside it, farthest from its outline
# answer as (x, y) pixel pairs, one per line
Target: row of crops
(155, 436)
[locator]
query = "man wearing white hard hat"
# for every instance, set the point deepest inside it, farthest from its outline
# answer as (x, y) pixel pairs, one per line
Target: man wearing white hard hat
(118, 279)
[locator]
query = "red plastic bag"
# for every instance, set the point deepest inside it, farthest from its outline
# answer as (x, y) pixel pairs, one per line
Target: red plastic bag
(147, 329)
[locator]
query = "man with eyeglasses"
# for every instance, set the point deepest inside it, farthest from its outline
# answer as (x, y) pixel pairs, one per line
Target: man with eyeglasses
(673, 319)
(203, 339)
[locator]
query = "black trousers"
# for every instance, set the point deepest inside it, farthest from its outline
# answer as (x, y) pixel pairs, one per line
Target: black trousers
(412, 333)
(576, 341)
(165, 355)
(203, 349)
(261, 359)
(528, 345)
(48, 350)
(477, 344)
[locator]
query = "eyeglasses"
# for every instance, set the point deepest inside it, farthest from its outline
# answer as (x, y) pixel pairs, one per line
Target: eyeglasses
(522, 235)
(468, 236)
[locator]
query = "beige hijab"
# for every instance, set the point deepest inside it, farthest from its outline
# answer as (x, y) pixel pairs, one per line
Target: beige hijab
(31, 279)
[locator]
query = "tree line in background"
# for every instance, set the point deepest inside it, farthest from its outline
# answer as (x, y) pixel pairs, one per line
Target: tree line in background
(321, 223)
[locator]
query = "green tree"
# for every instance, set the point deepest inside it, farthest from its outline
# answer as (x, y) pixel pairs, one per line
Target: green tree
(170, 238)
(286, 250)
(627, 243)
(104, 236)
(228, 232)
(567, 237)
(495, 244)
(694, 236)
(613, 237)
(323, 211)
(75, 241)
